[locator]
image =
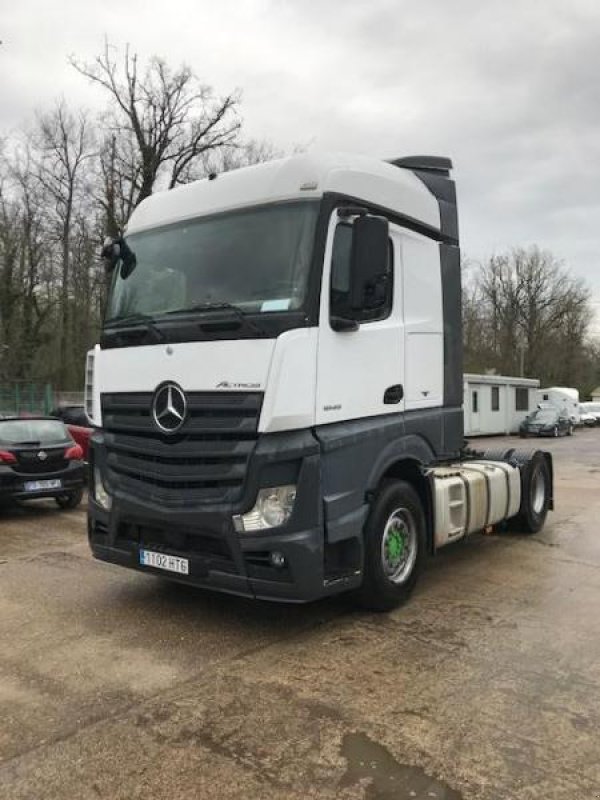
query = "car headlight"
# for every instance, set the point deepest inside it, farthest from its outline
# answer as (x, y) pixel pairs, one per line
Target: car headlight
(101, 496)
(273, 508)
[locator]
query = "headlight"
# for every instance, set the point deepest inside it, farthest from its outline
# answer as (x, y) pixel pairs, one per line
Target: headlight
(101, 496)
(273, 508)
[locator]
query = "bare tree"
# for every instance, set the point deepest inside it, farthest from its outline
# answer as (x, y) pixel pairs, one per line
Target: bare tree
(163, 124)
(525, 313)
(64, 144)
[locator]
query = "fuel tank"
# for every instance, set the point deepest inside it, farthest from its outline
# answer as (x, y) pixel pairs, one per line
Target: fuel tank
(470, 496)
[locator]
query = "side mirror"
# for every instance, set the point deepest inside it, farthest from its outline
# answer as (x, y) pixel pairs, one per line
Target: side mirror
(110, 253)
(369, 262)
(115, 250)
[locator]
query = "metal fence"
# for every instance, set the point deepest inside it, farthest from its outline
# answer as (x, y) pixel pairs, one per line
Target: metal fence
(25, 397)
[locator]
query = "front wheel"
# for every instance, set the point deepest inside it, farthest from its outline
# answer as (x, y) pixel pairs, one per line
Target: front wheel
(394, 547)
(69, 499)
(570, 430)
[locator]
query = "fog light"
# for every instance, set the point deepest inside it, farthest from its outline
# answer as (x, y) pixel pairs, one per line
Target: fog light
(272, 509)
(277, 559)
(101, 496)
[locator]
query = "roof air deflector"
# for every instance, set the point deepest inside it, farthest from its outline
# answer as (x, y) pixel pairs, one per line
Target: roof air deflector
(437, 165)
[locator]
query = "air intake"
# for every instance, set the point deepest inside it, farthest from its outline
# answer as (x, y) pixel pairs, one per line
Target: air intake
(436, 165)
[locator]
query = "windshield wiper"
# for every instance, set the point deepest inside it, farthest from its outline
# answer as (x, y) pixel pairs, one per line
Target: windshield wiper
(240, 315)
(138, 319)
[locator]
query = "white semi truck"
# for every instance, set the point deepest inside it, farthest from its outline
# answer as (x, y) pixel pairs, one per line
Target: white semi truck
(277, 389)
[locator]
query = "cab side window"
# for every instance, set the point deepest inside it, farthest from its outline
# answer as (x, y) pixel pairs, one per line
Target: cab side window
(339, 294)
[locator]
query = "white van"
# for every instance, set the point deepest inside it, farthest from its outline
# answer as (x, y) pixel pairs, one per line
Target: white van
(564, 399)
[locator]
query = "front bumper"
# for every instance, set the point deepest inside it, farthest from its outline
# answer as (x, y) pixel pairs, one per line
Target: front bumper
(220, 558)
(301, 580)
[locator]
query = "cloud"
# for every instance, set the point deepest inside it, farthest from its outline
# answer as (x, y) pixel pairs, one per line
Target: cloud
(508, 90)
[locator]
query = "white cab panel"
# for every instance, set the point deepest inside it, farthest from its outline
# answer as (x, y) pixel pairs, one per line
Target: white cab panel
(424, 370)
(228, 366)
(355, 368)
(290, 394)
(423, 320)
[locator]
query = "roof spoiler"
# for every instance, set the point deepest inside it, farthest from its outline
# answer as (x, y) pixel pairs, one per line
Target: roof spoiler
(434, 172)
(438, 165)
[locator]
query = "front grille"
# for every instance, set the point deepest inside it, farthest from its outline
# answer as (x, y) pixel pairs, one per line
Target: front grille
(204, 462)
(30, 463)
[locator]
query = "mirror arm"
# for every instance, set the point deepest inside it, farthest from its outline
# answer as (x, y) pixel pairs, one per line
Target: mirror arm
(343, 325)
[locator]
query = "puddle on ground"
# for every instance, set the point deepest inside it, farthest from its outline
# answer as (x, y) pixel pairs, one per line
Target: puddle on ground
(388, 779)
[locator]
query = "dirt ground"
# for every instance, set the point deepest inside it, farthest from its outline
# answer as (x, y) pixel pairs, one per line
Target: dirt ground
(115, 684)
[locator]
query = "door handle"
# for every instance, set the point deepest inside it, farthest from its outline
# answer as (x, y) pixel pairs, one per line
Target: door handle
(393, 394)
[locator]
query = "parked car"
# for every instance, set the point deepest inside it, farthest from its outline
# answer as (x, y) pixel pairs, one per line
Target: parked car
(546, 421)
(587, 419)
(71, 414)
(593, 409)
(39, 458)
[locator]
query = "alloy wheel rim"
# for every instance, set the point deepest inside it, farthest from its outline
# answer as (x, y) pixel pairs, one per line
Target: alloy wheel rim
(538, 491)
(399, 546)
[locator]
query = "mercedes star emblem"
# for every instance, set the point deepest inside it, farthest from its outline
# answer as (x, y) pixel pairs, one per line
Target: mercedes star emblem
(169, 407)
(42, 455)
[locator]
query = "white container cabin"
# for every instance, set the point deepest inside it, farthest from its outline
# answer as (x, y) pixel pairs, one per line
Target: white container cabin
(496, 403)
(563, 398)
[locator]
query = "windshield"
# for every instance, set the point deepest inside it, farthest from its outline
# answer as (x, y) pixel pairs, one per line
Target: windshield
(36, 431)
(257, 260)
(544, 415)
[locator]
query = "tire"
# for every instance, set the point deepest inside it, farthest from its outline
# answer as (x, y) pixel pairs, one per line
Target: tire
(535, 494)
(570, 430)
(395, 546)
(69, 499)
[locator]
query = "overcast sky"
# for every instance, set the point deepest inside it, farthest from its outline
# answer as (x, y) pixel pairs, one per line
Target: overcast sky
(510, 90)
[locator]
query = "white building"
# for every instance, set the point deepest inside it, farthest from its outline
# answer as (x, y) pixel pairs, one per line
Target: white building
(496, 403)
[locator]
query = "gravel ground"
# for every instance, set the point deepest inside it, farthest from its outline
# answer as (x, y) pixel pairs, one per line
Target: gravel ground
(486, 684)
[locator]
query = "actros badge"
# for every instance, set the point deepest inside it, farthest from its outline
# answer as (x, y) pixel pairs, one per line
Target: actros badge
(169, 407)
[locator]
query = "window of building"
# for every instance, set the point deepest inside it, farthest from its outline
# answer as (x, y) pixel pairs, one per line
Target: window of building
(475, 402)
(495, 398)
(521, 399)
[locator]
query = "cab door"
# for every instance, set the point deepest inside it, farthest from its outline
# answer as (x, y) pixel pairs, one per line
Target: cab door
(360, 373)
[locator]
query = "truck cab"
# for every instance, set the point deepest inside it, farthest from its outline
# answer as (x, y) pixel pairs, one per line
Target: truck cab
(282, 345)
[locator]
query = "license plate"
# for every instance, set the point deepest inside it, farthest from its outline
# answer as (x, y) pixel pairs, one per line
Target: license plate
(36, 486)
(148, 558)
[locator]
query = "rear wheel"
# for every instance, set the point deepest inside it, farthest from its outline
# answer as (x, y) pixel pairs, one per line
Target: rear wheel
(536, 488)
(394, 547)
(570, 430)
(69, 499)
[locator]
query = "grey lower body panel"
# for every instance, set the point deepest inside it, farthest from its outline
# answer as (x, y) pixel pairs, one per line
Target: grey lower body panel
(335, 468)
(239, 567)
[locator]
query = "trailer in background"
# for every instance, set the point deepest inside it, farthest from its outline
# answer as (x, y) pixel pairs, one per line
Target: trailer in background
(563, 398)
(496, 403)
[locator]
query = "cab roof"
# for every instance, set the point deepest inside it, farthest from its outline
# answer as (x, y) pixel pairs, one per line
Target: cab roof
(295, 178)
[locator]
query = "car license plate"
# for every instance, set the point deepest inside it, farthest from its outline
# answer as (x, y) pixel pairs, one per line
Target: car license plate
(36, 486)
(148, 558)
